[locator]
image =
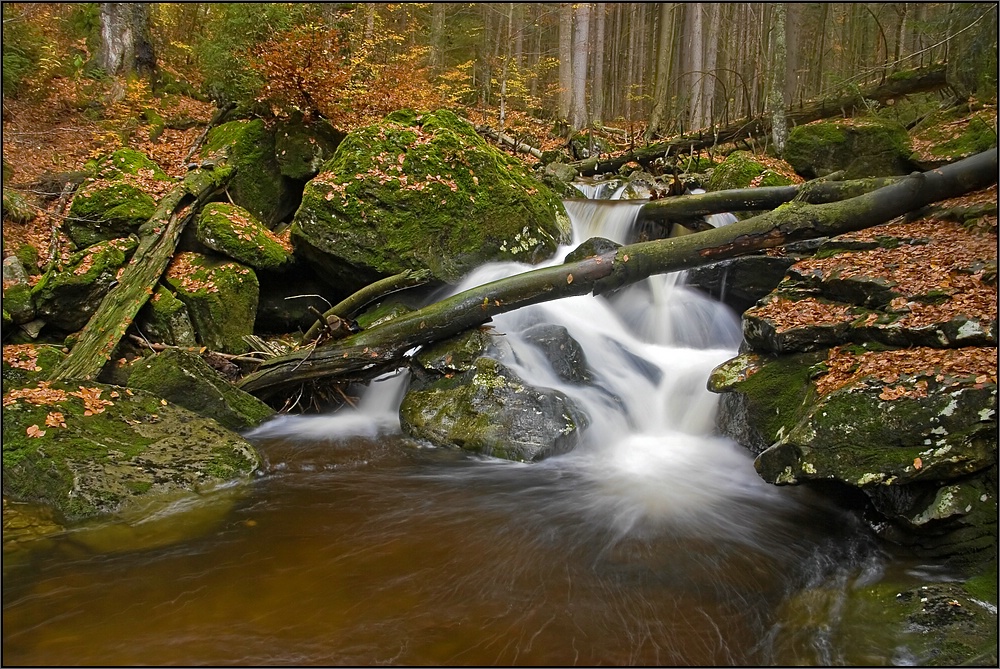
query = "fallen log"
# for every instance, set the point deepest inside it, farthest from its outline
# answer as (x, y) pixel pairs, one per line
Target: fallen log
(368, 353)
(687, 207)
(158, 240)
(897, 85)
(506, 139)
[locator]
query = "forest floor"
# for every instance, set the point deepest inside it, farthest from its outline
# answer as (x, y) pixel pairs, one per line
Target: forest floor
(60, 131)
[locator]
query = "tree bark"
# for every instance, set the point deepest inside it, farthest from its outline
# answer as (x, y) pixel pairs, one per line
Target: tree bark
(581, 43)
(368, 353)
(159, 236)
(126, 46)
(913, 81)
(565, 59)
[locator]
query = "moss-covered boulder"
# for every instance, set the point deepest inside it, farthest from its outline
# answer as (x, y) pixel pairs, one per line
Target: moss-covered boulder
(96, 449)
(185, 379)
(164, 319)
(741, 169)
(952, 134)
(861, 147)
(220, 296)
(67, 296)
(117, 200)
(17, 299)
(460, 398)
(234, 232)
(26, 363)
(301, 148)
(423, 192)
(258, 184)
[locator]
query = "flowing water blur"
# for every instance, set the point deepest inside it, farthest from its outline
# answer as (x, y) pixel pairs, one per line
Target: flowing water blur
(653, 542)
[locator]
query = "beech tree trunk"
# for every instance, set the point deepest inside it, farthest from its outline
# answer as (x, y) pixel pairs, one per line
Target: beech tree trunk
(159, 236)
(126, 46)
(368, 353)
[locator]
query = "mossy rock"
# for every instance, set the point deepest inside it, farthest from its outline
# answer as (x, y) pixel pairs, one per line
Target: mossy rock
(221, 298)
(741, 170)
(861, 147)
(236, 233)
(164, 319)
(18, 207)
(97, 449)
(185, 379)
(490, 411)
(302, 148)
(427, 194)
(952, 134)
(117, 200)
(66, 297)
(17, 299)
(24, 364)
(258, 184)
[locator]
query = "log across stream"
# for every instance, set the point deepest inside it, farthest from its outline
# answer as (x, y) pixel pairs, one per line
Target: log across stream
(653, 542)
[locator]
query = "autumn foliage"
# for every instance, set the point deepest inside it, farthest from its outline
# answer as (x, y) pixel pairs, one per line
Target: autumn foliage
(317, 71)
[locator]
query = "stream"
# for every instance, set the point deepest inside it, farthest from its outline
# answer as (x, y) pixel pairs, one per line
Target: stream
(653, 542)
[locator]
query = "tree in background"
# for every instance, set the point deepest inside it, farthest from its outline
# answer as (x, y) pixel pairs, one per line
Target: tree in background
(126, 45)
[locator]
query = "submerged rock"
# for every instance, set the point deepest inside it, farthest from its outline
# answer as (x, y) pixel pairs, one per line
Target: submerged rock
(423, 192)
(99, 449)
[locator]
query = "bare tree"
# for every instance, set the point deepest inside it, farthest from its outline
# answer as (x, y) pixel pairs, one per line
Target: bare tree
(565, 58)
(581, 43)
(126, 45)
(776, 87)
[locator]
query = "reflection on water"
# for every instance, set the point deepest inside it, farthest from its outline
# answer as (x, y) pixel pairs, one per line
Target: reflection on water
(372, 551)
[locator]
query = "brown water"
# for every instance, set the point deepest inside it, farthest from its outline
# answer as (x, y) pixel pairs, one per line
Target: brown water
(374, 552)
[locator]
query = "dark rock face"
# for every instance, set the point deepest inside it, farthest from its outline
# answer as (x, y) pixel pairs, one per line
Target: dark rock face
(739, 282)
(860, 369)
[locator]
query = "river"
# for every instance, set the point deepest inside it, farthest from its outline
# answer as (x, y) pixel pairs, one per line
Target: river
(652, 543)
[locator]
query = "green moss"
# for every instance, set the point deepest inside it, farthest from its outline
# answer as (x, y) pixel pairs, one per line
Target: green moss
(235, 232)
(258, 185)
(28, 255)
(165, 319)
(432, 195)
(862, 147)
(739, 170)
(27, 363)
(221, 298)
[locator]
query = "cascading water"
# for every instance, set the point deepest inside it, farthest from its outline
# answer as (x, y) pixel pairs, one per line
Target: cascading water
(652, 542)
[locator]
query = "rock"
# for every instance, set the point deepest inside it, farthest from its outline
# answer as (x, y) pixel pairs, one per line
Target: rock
(739, 282)
(422, 192)
(594, 246)
(234, 232)
(861, 147)
(460, 398)
(741, 170)
(184, 378)
(301, 148)
(66, 297)
(117, 200)
(258, 184)
(164, 319)
(562, 351)
(24, 364)
(99, 449)
(17, 300)
(220, 296)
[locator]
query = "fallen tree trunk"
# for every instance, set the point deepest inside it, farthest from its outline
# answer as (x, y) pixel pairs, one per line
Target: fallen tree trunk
(506, 139)
(368, 353)
(900, 84)
(158, 240)
(685, 207)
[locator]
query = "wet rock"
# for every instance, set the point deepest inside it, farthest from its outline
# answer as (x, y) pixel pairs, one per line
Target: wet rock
(423, 192)
(98, 449)
(740, 282)
(563, 353)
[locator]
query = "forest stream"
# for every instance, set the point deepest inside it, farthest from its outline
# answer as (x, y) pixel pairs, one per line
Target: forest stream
(653, 542)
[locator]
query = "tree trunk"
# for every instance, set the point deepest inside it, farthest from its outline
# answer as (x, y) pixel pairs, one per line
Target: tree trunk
(661, 85)
(158, 241)
(126, 46)
(437, 37)
(581, 42)
(368, 353)
(565, 58)
(776, 102)
(597, 88)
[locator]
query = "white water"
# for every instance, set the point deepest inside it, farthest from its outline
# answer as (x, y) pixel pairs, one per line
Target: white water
(650, 453)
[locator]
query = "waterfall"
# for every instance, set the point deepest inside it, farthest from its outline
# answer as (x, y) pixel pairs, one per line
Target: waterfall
(650, 451)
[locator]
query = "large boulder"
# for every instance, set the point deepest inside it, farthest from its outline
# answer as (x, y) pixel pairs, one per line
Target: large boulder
(423, 192)
(67, 296)
(165, 319)
(741, 169)
(258, 183)
(220, 296)
(186, 379)
(861, 147)
(234, 232)
(117, 200)
(87, 450)
(463, 396)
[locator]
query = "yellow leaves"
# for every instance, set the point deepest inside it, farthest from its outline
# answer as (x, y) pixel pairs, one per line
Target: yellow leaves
(35, 432)
(917, 463)
(92, 402)
(569, 278)
(55, 419)
(22, 356)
